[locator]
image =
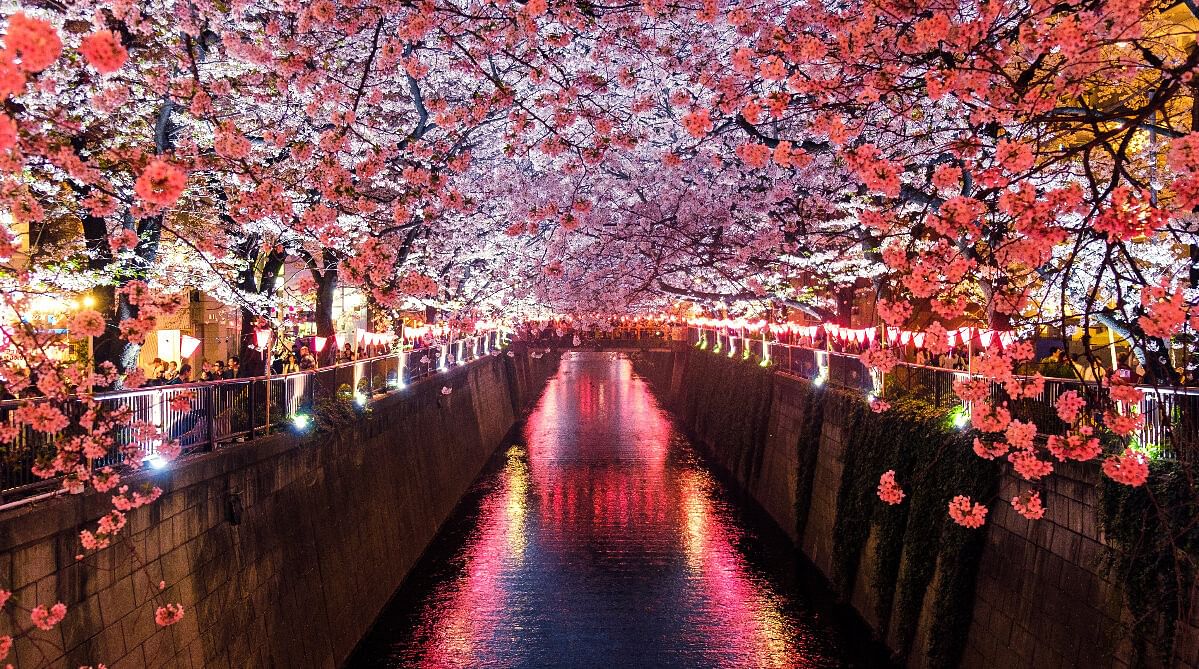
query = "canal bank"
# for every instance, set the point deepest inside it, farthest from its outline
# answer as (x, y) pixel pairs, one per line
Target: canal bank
(1015, 593)
(601, 538)
(282, 550)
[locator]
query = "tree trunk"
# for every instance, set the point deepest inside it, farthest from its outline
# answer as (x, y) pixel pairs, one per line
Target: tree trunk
(326, 289)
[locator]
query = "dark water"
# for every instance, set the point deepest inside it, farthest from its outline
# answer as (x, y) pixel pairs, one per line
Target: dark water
(602, 540)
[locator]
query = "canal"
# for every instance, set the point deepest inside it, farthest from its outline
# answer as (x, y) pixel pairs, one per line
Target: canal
(600, 538)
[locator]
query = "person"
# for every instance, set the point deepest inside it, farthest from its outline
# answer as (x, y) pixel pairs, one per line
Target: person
(171, 372)
(183, 376)
(157, 375)
(306, 360)
(289, 364)
(1088, 370)
(205, 370)
(346, 354)
(218, 370)
(231, 368)
(1130, 369)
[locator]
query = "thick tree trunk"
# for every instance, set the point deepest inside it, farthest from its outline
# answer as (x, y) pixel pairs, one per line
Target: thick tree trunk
(326, 289)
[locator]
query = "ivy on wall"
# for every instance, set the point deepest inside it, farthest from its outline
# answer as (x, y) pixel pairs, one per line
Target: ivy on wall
(1154, 531)
(914, 542)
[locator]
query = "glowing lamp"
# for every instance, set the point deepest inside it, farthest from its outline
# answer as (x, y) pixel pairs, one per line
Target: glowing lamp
(262, 338)
(188, 346)
(318, 343)
(155, 461)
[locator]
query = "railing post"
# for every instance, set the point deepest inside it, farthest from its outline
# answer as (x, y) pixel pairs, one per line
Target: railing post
(210, 411)
(250, 413)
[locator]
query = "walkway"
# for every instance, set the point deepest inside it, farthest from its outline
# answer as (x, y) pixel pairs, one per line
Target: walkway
(603, 541)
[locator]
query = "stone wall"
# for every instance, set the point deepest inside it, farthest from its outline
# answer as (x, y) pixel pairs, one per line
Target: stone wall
(1041, 598)
(283, 550)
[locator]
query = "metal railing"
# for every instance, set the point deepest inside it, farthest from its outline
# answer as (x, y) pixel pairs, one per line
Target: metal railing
(220, 412)
(1171, 414)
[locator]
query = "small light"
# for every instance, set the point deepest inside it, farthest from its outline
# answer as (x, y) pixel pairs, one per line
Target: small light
(961, 419)
(155, 461)
(819, 381)
(360, 399)
(301, 421)
(870, 397)
(89, 301)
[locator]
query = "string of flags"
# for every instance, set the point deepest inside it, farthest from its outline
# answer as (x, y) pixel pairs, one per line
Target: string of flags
(963, 336)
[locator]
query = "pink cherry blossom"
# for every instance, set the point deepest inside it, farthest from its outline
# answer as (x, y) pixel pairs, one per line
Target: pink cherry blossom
(966, 512)
(888, 490)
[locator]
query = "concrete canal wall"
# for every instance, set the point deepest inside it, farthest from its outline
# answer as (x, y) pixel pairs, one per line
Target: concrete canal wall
(1018, 593)
(283, 550)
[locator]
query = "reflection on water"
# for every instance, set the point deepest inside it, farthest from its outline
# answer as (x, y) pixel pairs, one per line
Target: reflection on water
(601, 540)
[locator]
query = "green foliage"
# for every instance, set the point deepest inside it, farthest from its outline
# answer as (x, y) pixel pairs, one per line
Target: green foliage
(728, 402)
(334, 412)
(1155, 537)
(913, 540)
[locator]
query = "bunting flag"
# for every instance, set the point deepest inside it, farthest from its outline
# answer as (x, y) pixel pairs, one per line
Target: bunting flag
(870, 333)
(951, 338)
(905, 337)
(1007, 338)
(319, 343)
(985, 337)
(918, 339)
(340, 338)
(892, 335)
(361, 336)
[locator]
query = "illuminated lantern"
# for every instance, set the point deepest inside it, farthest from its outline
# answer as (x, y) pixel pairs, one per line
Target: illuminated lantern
(187, 346)
(319, 343)
(262, 338)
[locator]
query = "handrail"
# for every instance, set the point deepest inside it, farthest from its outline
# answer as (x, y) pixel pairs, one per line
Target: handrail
(1171, 413)
(226, 410)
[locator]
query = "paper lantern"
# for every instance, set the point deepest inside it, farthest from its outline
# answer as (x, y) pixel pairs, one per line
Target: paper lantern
(262, 338)
(188, 346)
(319, 343)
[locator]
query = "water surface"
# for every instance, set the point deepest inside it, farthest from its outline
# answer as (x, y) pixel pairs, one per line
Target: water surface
(600, 539)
